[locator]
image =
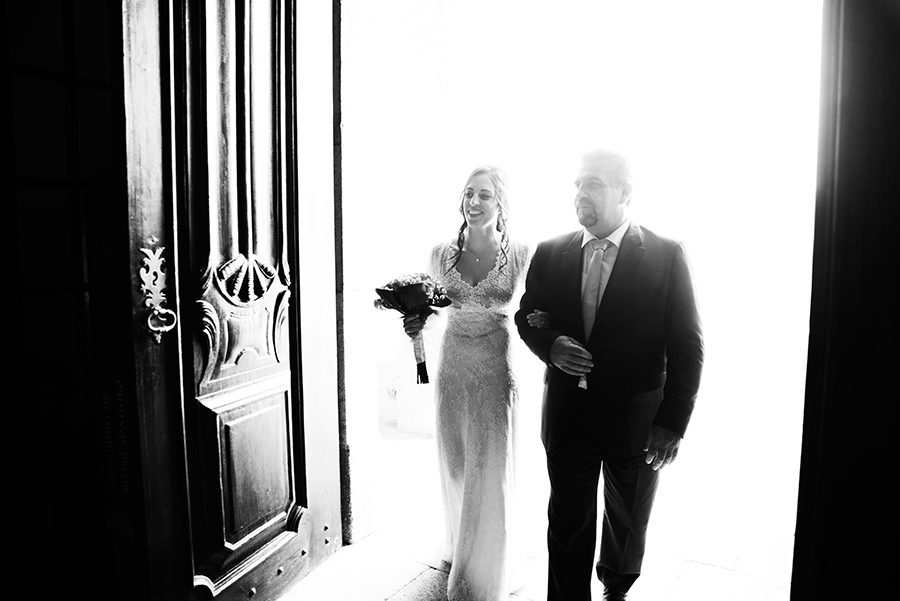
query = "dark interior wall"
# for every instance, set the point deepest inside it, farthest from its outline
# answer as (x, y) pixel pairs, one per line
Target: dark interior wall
(66, 190)
(846, 523)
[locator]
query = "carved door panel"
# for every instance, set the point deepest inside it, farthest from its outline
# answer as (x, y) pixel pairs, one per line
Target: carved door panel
(239, 448)
(211, 100)
(243, 429)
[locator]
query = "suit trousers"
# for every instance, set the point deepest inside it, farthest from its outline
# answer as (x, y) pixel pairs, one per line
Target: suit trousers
(629, 486)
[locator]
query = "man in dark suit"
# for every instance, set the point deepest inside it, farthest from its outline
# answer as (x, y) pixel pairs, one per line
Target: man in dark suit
(610, 309)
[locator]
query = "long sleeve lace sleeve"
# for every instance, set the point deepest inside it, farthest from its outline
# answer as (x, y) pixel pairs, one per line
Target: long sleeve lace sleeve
(435, 270)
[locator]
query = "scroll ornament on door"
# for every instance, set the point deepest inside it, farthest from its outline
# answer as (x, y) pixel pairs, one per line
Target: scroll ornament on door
(153, 276)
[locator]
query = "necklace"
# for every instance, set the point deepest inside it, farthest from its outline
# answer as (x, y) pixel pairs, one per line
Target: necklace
(473, 253)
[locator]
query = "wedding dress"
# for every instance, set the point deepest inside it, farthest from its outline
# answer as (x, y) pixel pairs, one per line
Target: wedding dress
(475, 412)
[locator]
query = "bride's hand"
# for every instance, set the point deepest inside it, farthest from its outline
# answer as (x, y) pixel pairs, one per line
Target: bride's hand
(413, 324)
(539, 319)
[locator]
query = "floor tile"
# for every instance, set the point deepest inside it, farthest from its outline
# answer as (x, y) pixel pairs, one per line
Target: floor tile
(430, 585)
(701, 582)
(358, 572)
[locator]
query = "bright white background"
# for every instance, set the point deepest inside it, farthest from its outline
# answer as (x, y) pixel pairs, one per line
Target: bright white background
(715, 102)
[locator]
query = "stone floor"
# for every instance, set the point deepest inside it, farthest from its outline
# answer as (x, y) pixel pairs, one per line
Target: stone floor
(735, 557)
(363, 572)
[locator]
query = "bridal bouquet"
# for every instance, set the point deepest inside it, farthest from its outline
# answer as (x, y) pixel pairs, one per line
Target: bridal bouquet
(415, 294)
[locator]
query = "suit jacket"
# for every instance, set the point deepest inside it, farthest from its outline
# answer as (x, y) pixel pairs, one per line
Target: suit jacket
(646, 343)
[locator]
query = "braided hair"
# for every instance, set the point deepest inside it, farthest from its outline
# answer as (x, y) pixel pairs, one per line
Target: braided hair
(498, 179)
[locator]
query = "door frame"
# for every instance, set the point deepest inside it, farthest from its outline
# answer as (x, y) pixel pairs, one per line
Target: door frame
(849, 425)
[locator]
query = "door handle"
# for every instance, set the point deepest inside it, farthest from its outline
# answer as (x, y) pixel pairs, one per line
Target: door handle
(153, 275)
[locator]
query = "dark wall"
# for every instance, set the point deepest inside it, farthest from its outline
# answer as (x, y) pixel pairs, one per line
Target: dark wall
(66, 191)
(846, 526)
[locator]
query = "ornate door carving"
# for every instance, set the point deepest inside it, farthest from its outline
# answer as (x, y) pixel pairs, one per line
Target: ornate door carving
(233, 68)
(238, 443)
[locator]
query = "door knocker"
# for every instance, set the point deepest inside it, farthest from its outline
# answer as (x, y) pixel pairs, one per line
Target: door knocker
(153, 275)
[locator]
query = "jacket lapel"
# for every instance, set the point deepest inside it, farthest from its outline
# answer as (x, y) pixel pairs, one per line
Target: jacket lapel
(568, 268)
(622, 286)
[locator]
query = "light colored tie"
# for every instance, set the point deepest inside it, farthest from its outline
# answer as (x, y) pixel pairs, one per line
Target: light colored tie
(593, 282)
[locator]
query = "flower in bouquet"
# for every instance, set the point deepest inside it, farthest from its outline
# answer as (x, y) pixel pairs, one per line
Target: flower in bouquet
(415, 294)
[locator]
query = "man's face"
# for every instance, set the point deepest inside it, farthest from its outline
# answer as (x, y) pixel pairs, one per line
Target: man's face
(600, 200)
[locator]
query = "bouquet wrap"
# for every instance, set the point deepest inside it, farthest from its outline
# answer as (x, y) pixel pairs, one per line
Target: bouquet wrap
(419, 351)
(417, 294)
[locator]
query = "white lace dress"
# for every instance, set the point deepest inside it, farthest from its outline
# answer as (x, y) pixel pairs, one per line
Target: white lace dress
(476, 404)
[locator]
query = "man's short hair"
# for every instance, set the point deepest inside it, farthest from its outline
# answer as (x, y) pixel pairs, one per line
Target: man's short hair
(618, 160)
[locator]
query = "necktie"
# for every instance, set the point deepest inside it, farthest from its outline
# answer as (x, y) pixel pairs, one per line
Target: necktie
(595, 274)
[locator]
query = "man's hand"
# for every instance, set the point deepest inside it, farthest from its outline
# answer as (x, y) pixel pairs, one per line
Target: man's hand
(662, 447)
(570, 356)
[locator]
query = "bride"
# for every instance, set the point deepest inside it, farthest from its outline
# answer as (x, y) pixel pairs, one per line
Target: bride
(476, 392)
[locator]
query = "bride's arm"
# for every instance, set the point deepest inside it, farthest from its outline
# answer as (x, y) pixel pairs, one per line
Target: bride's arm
(521, 259)
(539, 340)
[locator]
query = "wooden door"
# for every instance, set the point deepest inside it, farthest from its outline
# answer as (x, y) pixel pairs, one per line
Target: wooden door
(217, 225)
